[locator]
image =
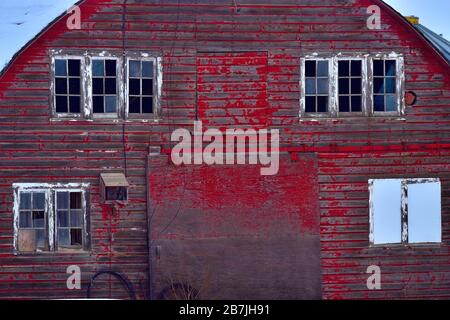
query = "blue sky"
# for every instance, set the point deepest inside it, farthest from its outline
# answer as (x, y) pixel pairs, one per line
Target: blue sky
(21, 20)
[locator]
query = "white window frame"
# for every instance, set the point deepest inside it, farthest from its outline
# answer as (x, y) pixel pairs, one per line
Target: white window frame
(50, 211)
(367, 86)
(157, 85)
(403, 212)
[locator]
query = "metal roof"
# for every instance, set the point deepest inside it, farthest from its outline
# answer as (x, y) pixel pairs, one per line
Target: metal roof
(442, 44)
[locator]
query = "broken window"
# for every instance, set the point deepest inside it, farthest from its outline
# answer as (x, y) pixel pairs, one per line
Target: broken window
(67, 83)
(49, 217)
(350, 81)
(104, 86)
(385, 97)
(405, 211)
(141, 86)
(317, 89)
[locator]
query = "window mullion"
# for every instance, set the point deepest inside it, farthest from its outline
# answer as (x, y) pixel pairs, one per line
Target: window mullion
(404, 212)
(86, 68)
(49, 194)
(333, 91)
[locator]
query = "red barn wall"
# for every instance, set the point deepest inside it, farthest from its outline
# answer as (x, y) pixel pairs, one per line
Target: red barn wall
(35, 148)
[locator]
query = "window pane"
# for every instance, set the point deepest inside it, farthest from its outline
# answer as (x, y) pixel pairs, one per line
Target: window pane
(378, 68)
(61, 86)
(424, 212)
(147, 69)
(110, 86)
(97, 86)
(322, 86)
(344, 104)
(64, 237)
(135, 105)
(110, 68)
(98, 104)
(62, 200)
(322, 68)
(344, 86)
(356, 86)
(311, 86)
(98, 68)
(63, 219)
(75, 104)
(147, 87)
(391, 68)
(74, 68)
(391, 103)
(310, 68)
(135, 87)
(38, 219)
(110, 105)
(60, 68)
(25, 201)
(310, 104)
(75, 200)
(344, 68)
(386, 202)
(25, 220)
(356, 103)
(356, 69)
(40, 238)
(378, 102)
(322, 104)
(74, 86)
(76, 237)
(378, 85)
(39, 200)
(135, 69)
(390, 85)
(62, 104)
(76, 219)
(147, 105)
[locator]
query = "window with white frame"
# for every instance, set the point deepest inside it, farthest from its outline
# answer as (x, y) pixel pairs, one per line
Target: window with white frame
(364, 85)
(50, 217)
(405, 211)
(93, 86)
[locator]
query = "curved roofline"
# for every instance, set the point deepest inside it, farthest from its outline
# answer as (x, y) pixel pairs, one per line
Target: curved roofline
(36, 37)
(408, 24)
(383, 4)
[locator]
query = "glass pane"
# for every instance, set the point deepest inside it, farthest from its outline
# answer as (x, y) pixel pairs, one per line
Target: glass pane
(391, 68)
(39, 200)
(344, 68)
(322, 68)
(390, 85)
(311, 86)
(135, 87)
(378, 103)
(135, 105)
(344, 86)
(310, 104)
(40, 238)
(391, 103)
(147, 105)
(62, 105)
(76, 219)
(110, 105)
(76, 237)
(38, 219)
(378, 68)
(110, 68)
(322, 86)
(147, 87)
(386, 202)
(147, 69)
(63, 219)
(61, 86)
(97, 86)
(74, 68)
(63, 237)
(110, 86)
(25, 201)
(356, 86)
(424, 212)
(344, 104)
(356, 69)
(98, 104)
(62, 200)
(356, 103)
(98, 68)
(322, 104)
(75, 104)
(310, 68)
(135, 69)
(74, 86)
(75, 200)
(60, 68)
(378, 85)
(25, 220)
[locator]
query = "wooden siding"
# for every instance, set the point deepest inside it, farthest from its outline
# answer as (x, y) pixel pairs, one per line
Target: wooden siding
(34, 148)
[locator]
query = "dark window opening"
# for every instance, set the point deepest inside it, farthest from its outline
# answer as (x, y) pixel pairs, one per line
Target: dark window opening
(116, 194)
